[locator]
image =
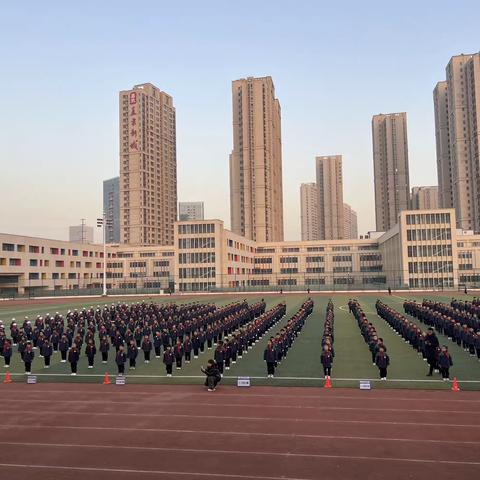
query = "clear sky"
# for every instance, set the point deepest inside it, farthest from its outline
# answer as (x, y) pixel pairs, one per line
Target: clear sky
(334, 65)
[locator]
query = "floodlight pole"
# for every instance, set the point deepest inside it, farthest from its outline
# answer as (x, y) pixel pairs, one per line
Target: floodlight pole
(104, 256)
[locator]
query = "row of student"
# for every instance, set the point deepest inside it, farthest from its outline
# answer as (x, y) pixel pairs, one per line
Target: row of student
(224, 320)
(426, 343)
(279, 344)
(462, 335)
(464, 317)
(328, 353)
(375, 343)
(472, 307)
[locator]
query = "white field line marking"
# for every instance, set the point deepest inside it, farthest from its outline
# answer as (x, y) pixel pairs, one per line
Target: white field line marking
(168, 402)
(221, 432)
(272, 380)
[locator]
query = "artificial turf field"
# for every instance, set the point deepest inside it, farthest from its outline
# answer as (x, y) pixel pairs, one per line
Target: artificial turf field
(302, 366)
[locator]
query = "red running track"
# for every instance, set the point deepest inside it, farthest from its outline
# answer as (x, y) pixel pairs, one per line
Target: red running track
(72, 431)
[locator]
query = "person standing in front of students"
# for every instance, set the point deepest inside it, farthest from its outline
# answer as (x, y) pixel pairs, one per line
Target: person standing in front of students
(104, 348)
(444, 363)
(90, 352)
(132, 352)
(28, 356)
(219, 356)
(63, 347)
(120, 360)
(382, 361)
(46, 350)
(269, 357)
(147, 348)
(73, 357)
(327, 361)
(7, 353)
(168, 359)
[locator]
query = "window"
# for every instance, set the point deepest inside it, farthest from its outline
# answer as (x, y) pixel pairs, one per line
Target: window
(288, 259)
(8, 247)
(342, 258)
(289, 270)
(316, 259)
(33, 263)
(15, 262)
(33, 276)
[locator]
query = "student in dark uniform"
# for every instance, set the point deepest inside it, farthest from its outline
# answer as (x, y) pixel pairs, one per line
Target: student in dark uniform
(431, 344)
(63, 348)
(132, 352)
(120, 360)
(269, 356)
(444, 363)
(73, 357)
(327, 361)
(147, 348)
(213, 375)
(46, 350)
(28, 356)
(90, 352)
(104, 348)
(7, 353)
(157, 343)
(178, 352)
(382, 361)
(168, 359)
(219, 356)
(187, 348)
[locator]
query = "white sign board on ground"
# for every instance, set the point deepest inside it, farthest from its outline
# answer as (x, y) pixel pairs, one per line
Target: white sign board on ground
(243, 381)
(120, 380)
(32, 379)
(365, 385)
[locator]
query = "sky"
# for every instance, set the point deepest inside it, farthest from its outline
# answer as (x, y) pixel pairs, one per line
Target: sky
(334, 65)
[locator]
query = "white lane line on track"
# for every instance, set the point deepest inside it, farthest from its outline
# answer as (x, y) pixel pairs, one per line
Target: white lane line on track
(214, 432)
(263, 419)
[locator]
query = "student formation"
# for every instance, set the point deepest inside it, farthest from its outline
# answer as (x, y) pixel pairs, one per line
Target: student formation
(173, 334)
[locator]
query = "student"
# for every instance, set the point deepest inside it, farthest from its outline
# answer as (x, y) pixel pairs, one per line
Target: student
(90, 352)
(120, 360)
(431, 344)
(168, 358)
(132, 353)
(219, 357)
(382, 361)
(104, 348)
(28, 356)
(327, 361)
(228, 353)
(7, 353)
(187, 348)
(73, 357)
(444, 363)
(157, 343)
(46, 350)
(178, 352)
(147, 348)
(213, 375)
(269, 357)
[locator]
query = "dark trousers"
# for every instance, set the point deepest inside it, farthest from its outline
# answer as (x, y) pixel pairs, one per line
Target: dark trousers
(209, 343)
(195, 352)
(73, 367)
(202, 347)
(220, 367)
(187, 356)
(147, 356)
(90, 361)
(270, 368)
(169, 369)
(133, 362)
(104, 356)
(7, 360)
(234, 357)
(63, 354)
(383, 372)
(211, 382)
(157, 351)
(28, 366)
(431, 364)
(445, 372)
(178, 362)
(121, 369)
(327, 371)
(46, 361)
(227, 362)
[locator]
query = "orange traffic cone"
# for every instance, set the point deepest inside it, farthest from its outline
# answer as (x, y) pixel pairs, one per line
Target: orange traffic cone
(8, 378)
(106, 380)
(327, 383)
(455, 387)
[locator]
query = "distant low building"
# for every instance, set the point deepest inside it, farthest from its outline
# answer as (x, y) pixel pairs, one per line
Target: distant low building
(190, 211)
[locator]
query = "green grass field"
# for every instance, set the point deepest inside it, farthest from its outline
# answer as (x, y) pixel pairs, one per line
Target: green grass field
(301, 367)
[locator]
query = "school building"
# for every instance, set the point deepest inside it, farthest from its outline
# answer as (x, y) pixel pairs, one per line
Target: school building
(423, 250)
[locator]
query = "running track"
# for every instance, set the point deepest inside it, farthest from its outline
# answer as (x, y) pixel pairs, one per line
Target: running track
(87, 432)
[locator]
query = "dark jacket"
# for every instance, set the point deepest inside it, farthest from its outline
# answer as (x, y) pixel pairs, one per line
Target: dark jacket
(445, 360)
(269, 355)
(382, 360)
(73, 355)
(326, 359)
(121, 358)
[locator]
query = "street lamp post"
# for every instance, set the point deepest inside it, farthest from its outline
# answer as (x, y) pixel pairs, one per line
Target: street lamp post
(103, 222)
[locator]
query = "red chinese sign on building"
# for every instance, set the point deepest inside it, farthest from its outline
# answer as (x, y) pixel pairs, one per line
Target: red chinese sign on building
(133, 121)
